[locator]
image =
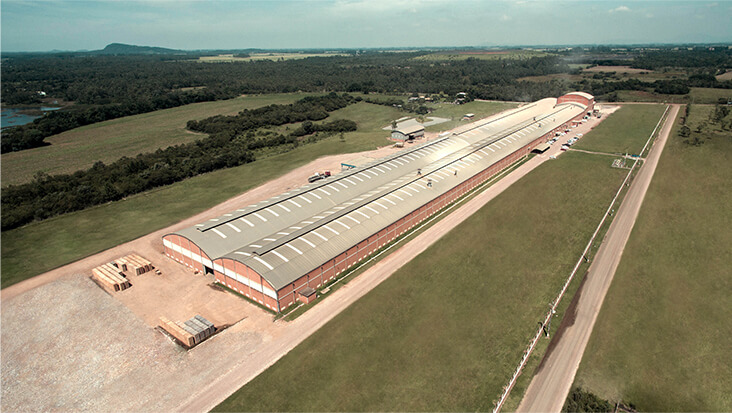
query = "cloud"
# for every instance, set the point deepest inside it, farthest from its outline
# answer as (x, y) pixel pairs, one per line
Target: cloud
(620, 9)
(505, 18)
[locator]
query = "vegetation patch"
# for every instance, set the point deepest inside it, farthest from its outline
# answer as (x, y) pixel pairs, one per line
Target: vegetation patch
(110, 140)
(625, 131)
(662, 337)
(445, 331)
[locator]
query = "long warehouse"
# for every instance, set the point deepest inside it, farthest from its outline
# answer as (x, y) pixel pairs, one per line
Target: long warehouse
(277, 251)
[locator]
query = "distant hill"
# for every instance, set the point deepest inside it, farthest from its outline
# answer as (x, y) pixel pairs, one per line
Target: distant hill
(123, 49)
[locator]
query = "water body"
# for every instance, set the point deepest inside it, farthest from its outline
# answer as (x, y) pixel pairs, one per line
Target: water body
(15, 117)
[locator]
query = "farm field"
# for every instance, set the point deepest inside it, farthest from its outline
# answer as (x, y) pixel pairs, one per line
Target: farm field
(661, 340)
(456, 113)
(482, 54)
(263, 56)
(625, 131)
(697, 95)
(725, 76)
(445, 331)
(26, 251)
(110, 140)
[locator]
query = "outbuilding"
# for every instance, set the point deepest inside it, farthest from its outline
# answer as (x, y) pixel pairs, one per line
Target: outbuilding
(407, 131)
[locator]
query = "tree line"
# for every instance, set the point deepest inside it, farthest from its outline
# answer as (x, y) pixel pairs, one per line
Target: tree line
(47, 196)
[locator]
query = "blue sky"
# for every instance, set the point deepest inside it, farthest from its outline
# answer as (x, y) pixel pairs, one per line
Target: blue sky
(42, 25)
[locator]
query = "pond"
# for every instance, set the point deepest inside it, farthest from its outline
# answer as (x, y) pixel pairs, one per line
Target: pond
(22, 116)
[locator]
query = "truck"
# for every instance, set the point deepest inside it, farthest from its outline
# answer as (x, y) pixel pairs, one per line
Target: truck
(318, 176)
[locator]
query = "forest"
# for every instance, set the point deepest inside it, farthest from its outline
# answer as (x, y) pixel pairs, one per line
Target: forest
(105, 87)
(234, 144)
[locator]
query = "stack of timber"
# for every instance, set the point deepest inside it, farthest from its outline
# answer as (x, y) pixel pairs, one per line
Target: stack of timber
(134, 263)
(110, 278)
(190, 332)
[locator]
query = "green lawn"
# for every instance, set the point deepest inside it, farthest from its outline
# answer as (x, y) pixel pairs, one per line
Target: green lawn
(110, 140)
(445, 331)
(456, 113)
(697, 95)
(662, 339)
(625, 131)
(482, 54)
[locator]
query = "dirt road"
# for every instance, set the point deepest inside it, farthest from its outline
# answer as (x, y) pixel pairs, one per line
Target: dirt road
(551, 384)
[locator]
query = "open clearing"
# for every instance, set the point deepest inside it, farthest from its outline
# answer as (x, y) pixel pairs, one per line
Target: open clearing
(626, 131)
(110, 140)
(482, 54)
(662, 336)
(41, 246)
(725, 76)
(617, 69)
(264, 56)
(396, 348)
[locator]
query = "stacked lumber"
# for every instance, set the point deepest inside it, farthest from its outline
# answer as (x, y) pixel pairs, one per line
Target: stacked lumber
(189, 332)
(176, 331)
(110, 278)
(134, 263)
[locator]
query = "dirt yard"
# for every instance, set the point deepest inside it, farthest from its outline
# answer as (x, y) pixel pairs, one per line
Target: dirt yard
(619, 69)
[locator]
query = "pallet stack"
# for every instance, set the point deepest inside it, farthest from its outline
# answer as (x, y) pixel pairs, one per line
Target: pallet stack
(176, 331)
(110, 278)
(190, 332)
(134, 263)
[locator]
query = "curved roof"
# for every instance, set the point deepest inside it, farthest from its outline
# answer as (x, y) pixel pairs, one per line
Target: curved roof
(583, 94)
(291, 234)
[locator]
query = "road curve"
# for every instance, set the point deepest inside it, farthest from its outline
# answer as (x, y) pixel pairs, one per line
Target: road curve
(550, 386)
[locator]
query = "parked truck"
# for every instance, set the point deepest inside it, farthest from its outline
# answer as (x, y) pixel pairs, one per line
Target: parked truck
(318, 176)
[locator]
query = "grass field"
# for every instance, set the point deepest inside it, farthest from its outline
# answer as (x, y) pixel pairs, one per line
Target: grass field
(482, 54)
(625, 131)
(456, 113)
(263, 56)
(110, 140)
(445, 331)
(27, 251)
(696, 95)
(662, 337)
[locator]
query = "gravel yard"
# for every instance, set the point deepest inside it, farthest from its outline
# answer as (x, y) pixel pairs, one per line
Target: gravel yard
(68, 345)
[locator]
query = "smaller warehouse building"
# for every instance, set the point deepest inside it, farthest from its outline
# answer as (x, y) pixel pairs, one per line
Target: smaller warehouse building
(407, 131)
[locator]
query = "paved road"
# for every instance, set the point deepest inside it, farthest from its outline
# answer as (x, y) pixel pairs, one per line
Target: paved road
(550, 386)
(317, 316)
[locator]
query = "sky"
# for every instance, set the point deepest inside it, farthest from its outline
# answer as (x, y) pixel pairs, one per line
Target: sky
(45, 25)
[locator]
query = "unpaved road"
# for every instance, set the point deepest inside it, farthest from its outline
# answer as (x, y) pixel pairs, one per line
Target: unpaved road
(549, 387)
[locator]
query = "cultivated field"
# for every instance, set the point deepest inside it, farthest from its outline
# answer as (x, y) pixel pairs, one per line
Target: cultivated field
(662, 337)
(445, 331)
(626, 131)
(616, 69)
(456, 113)
(263, 56)
(725, 76)
(482, 54)
(697, 95)
(41, 246)
(110, 140)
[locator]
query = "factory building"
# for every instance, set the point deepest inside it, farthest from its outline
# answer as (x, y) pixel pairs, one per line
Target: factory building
(279, 251)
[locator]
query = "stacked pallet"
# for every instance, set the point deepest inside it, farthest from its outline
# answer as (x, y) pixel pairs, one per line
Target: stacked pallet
(176, 331)
(110, 278)
(134, 263)
(190, 332)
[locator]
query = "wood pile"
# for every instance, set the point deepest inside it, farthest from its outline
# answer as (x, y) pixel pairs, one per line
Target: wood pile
(134, 263)
(110, 278)
(190, 332)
